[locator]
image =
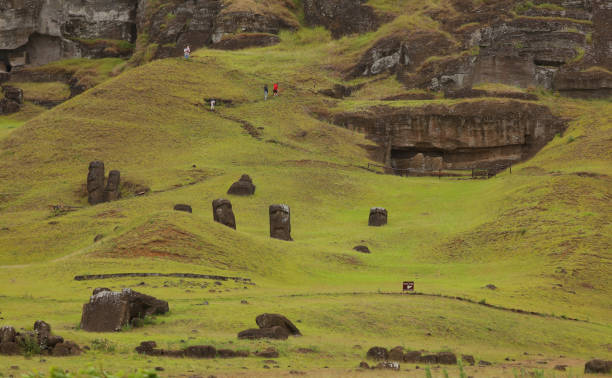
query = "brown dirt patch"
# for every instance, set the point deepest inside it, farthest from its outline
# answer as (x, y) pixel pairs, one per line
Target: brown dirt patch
(160, 240)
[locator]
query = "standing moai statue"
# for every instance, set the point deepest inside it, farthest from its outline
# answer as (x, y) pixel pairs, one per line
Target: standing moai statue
(95, 183)
(280, 222)
(223, 213)
(378, 216)
(111, 193)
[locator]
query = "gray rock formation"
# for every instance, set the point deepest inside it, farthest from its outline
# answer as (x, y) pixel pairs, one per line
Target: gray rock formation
(223, 213)
(341, 17)
(280, 222)
(95, 183)
(48, 30)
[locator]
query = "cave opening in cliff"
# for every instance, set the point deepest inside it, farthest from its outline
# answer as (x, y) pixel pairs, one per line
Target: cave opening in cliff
(400, 153)
(5, 64)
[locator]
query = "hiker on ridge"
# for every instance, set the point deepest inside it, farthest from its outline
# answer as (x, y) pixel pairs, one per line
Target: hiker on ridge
(275, 89)
(265, 92)
(212, 104)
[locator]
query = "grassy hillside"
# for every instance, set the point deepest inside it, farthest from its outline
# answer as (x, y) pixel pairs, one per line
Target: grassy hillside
(540, 234)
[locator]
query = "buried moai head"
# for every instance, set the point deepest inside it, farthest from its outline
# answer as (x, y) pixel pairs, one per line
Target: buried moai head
(280, 222)
(378, 216)
(111, 192)
(95, 182)
(243, 187)
(223, 213)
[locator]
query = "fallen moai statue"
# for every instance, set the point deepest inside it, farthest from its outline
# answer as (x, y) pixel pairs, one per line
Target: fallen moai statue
(271, 326)
(149, 348)
(109, 311)
(38, 341)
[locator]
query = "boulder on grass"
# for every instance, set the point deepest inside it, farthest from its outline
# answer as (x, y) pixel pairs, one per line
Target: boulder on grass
(243, 187)
(67, 348)
(272, 320)
(378, 217)
(598, 367)
(378, 354)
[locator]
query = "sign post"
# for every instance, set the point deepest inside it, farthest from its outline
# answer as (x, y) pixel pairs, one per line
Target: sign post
(408, 286)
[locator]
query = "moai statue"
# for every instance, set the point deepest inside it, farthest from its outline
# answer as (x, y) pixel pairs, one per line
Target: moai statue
(223, 213)
(95, 183)
(242, 187)
(111, 193)
(378, 216)
(280, 222)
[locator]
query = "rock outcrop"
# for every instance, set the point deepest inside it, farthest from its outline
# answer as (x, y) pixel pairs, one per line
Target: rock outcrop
(15, 343)
(109, 311)
(484, 134)
(280, 222)
(341, 17)
(598, 367)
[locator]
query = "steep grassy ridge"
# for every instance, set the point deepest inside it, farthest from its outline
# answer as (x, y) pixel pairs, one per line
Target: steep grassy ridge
(540, 234)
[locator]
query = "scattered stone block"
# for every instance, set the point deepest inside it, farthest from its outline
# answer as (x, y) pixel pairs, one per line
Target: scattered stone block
(201, 351)
(412, 356)
(267, 353)
(223, 213)
(67, 348)
(396, 354)
(378, 217)
(243, 187)
(182, 207)
(468, 359)
(361, 248)
(280, 222)
(378, 354)
(447, 358)
(598, 367)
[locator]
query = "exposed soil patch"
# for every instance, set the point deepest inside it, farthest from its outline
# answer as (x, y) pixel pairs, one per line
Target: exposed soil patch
(161, 240)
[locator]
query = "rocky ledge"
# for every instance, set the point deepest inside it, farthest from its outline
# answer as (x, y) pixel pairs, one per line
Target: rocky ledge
(470, 134)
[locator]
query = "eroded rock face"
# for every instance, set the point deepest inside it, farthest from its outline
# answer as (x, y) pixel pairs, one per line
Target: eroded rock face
(280, 222)
(341, 17)
(112, 192)
(95, 183)
(46, 30)
(590, 84)
(108, 311)
(223, 213)
(465, 135)
(378, 216)
(243, 187)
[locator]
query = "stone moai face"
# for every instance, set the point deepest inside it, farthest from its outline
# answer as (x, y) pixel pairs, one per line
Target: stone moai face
(223, 213)
(95, 182)
(378, 216)
(280, 222)
(111, 192)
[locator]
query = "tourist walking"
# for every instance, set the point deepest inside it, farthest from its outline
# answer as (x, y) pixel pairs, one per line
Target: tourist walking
(265, 92)
(212, 104)
(275, 89)
(187, 52)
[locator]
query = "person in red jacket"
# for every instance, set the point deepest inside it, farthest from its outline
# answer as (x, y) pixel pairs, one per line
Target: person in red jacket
(275, 89)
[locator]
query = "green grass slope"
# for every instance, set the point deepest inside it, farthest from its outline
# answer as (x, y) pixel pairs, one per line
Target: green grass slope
(540, 234)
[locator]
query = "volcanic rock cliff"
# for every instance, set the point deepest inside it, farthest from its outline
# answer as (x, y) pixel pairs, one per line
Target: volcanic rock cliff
(469, 134)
